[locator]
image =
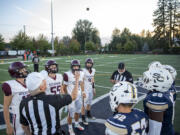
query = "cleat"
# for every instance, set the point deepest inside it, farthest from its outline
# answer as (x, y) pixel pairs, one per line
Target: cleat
(79, 127)
(71, 132)
(85, 122)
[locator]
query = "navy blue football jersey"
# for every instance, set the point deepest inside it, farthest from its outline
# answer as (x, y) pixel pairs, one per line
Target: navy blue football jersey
(135, 122)
(161, 102)
(173, 91)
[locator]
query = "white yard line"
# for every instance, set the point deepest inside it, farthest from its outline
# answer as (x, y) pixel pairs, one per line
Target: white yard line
(125, 60)
(101, 121)
(42, 59)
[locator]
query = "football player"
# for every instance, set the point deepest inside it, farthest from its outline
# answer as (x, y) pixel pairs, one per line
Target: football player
(158, 104)
(54, 80)
(75, 107)
(126, 120)
(173, 72)
(89, 88)
(14, 92)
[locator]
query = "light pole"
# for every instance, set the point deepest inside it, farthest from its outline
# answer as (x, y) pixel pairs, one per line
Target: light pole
(52, 34)
(87, 9)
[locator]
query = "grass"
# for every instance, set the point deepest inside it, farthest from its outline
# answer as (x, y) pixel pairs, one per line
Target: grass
(105, 65)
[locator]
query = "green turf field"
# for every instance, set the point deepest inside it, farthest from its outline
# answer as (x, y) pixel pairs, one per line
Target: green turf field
(105, 65)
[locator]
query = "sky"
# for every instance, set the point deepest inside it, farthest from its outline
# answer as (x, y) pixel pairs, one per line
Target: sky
(104, 14)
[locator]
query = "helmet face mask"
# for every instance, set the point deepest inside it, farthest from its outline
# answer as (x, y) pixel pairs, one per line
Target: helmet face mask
(89, 63)
(122, 93)
(171, 70)
(75, 65)
(51, 67)
(18, 70)
(23, 72)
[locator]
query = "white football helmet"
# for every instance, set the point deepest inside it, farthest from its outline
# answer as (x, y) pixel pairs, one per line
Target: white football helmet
(171, 70)
(157, 79)
(122, 92)
(154, 64)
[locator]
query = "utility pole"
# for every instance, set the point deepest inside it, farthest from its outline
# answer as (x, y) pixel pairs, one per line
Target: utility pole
(52, 37)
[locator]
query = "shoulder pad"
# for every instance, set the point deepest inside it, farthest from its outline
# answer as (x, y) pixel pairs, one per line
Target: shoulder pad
(119, 129)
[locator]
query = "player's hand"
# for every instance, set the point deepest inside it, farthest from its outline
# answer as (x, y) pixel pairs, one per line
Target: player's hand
(94, 92)
(9, 130)
(117, 82)
(84, 95)
(77, 75)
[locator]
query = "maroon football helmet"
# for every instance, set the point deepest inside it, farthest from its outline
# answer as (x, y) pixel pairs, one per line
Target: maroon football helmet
(75, 63)
(48, 64)
(14, 70)
(89, 60)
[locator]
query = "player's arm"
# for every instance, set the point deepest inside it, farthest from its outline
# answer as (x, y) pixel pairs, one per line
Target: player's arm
(65, 83)
(62, 90)
(7, 101)
(130, 78)
(82, 88)
(75, 90)
(112, 79)
(156, 115)
(26, 129)
(155, 122)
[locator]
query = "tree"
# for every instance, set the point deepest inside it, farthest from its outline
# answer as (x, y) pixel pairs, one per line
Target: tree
(130, 46)
(63, 49)
(56, 45)
(166, 22)
(74, 47)
(84, 32)
(2, 44)
(66, 40)
(90, 46)
(119, 47)
(115, 39)
(43, 44)
(22, 42)
(116, 32)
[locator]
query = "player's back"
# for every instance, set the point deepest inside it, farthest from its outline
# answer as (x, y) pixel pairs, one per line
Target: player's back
(135, 122)
(161, 102)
